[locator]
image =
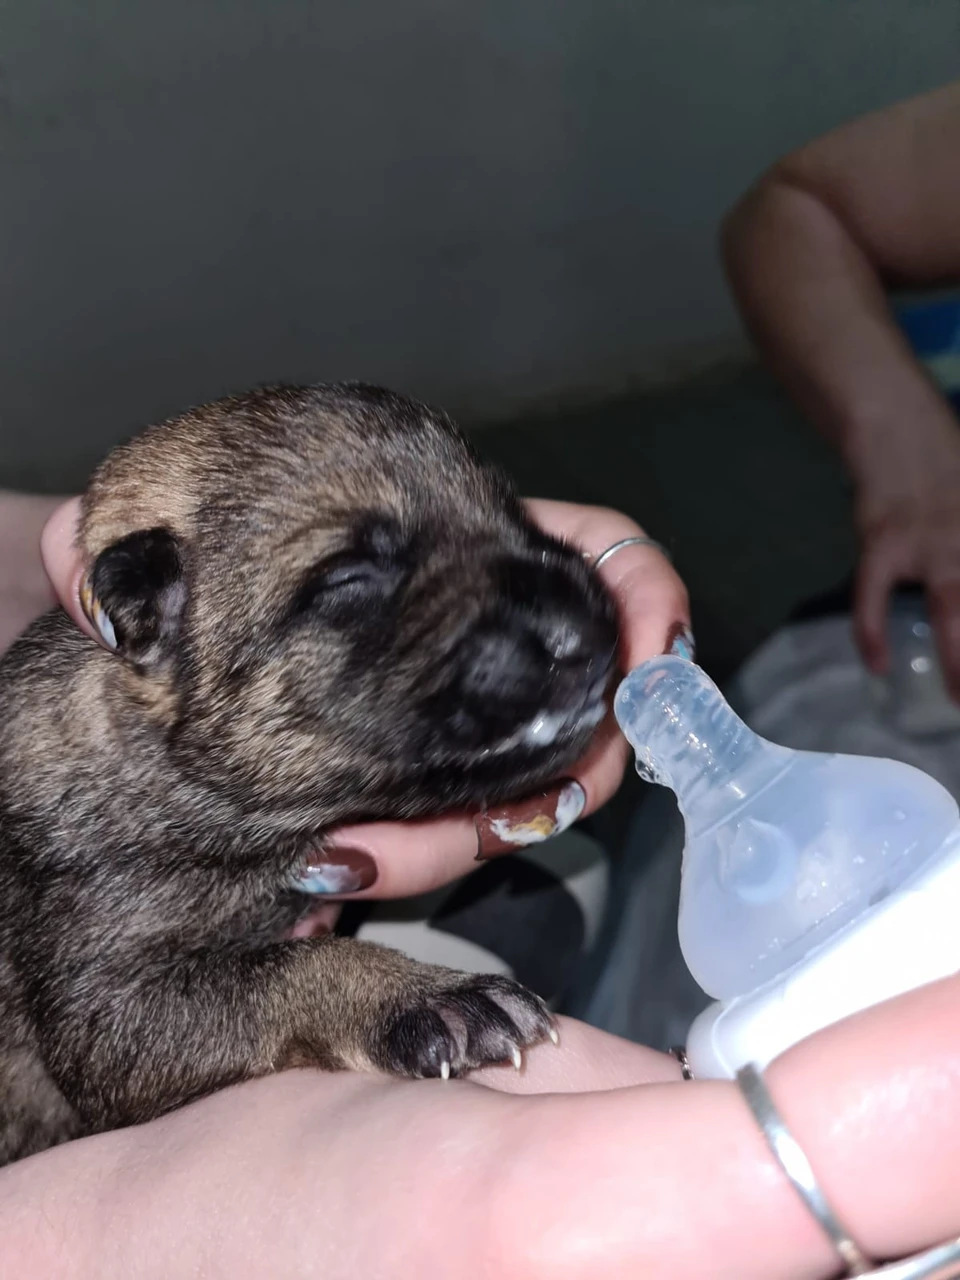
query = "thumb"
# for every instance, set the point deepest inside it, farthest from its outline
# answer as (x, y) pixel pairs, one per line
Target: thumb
(62, 561)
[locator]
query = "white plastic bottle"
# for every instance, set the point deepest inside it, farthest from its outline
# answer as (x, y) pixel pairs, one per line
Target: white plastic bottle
(812, 885)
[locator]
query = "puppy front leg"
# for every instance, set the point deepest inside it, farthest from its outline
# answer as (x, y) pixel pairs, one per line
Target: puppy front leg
(127, 1042)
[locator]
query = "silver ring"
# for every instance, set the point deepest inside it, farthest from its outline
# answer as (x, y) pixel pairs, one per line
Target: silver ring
(942, 1262)
(791, 1159)
(680, 1053)
(640, 540)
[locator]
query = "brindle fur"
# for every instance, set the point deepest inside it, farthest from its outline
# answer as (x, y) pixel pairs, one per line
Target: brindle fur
(156, 803)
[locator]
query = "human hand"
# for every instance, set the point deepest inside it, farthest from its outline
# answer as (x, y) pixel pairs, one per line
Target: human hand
(908, 513)
(389, 860)
(25, 590)
(606, 1165)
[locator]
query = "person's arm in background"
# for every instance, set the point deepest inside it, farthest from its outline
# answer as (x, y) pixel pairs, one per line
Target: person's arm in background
(810, 252)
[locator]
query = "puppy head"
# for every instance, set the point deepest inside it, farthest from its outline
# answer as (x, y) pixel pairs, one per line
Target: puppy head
(330, 609)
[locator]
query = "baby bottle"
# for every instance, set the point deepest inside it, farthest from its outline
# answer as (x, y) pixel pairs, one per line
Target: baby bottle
(812, 885)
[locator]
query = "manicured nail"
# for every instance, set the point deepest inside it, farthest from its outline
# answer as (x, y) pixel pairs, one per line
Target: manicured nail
(338, 870)
(680, 642)
(529, 821)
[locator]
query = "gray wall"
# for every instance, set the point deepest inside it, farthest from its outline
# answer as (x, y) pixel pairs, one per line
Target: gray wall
(487, 204)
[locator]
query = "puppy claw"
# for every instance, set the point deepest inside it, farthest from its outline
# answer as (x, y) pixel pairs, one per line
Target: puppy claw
(467, 1021)
(554, 1034)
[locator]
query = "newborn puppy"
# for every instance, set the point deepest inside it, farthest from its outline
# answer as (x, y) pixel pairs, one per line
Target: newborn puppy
(323, 609)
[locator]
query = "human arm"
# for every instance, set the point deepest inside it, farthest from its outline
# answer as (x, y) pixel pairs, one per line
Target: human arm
(607, 1165)
(811, 252)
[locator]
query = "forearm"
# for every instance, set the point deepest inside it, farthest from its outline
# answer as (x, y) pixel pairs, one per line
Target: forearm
(444, 1179)
(52, 1212)
(818, 311)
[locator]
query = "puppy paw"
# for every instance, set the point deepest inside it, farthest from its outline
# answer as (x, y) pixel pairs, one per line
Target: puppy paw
(474, 1022)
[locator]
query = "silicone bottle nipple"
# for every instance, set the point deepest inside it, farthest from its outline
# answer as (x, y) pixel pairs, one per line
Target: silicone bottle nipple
(783, 848)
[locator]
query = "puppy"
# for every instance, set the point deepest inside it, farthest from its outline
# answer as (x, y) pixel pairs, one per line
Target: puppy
(322, 609)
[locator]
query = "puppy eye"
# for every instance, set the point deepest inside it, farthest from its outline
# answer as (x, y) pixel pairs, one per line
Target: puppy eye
(343, 586)
(350, 573)
(352, 583)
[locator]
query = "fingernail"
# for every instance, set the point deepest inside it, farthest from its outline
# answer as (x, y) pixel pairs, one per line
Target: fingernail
(680, 642)
(338, 870)
(529, 821)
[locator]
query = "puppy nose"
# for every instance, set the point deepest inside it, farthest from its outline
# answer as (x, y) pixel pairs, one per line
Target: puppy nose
(502, 664)
(528, 661)
(579, 651)
(568, 643)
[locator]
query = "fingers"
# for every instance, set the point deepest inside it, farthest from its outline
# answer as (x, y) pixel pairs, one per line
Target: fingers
(25, 591)
(943, 603)
(894, 555)
(874, 1102)
(62, 562)
(386, 860)
(651, 599)
(401, 859)
(883, 563)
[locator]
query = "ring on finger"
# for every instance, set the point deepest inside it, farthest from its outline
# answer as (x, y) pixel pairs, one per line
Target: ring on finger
(639, 540)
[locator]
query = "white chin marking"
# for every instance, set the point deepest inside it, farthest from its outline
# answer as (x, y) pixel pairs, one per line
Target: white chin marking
(546, 726)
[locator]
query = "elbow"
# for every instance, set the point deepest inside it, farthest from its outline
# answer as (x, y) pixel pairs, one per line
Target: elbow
(745, 227)
(781, 211)
(758, 205)
(735, 227)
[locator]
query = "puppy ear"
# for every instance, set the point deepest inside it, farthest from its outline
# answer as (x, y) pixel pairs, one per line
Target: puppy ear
(134, 596)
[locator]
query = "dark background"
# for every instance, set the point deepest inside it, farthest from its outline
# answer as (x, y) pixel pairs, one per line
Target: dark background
(510, 208)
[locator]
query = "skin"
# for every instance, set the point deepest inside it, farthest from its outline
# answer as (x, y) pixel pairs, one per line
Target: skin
(25, 589)
(583, 1175)
(811, 252)
(595, 1160)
